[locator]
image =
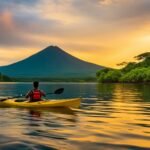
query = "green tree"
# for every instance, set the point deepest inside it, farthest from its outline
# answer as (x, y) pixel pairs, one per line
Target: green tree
(109, 75)
(131, 72)
(4, 78)
(129, 66)
(137, 75)
(142, 56)
(147, 75)
(112, 76)
(101, 74)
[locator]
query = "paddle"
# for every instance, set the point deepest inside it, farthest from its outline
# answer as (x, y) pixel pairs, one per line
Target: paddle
(58, 91)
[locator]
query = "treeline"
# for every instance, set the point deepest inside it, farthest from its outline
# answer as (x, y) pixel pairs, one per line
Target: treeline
(4, 78)
(46, 79)
(132, 72)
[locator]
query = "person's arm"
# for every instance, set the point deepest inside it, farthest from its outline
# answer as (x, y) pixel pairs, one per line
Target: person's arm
(43, 93)
(28, 94)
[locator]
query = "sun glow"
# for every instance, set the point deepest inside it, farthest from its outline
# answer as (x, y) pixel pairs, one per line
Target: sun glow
(101, 32)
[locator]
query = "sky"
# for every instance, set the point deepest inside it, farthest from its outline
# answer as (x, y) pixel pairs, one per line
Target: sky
(105, 32)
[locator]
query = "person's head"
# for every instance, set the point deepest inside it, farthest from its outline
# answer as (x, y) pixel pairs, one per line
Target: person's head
(35, 84)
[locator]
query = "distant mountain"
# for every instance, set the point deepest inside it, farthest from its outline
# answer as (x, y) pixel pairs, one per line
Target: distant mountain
(52, 62)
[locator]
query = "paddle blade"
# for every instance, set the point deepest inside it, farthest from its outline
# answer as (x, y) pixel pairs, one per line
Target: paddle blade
(59, 91)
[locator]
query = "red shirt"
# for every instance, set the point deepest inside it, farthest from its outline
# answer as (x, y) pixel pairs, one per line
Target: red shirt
(35, 95)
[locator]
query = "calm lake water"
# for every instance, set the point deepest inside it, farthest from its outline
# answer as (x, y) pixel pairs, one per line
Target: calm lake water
(111, 117)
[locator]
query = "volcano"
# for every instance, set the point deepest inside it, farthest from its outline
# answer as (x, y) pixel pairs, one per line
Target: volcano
(52, 62)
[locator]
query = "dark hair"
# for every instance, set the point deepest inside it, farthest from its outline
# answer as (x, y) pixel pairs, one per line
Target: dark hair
(36, 84)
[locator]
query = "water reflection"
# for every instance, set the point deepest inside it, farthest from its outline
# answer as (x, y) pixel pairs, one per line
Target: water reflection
(36, 114)
(112, 116)
(38, 111)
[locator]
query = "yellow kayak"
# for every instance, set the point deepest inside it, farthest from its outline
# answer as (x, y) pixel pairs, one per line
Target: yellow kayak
(74, 103)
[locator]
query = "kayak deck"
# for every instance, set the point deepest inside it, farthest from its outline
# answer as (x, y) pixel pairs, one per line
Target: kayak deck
(74, 103)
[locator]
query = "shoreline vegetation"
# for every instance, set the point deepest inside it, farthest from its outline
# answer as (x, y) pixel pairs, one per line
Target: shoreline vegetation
(131, 72)
(88, 79)
(4, 78)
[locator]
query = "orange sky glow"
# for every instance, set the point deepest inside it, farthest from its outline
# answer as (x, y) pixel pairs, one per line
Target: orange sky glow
(104, 32)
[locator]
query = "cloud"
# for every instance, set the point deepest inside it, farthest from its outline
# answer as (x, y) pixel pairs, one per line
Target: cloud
(74, 24)
(132, 9)
(10, 3)
(9, 33)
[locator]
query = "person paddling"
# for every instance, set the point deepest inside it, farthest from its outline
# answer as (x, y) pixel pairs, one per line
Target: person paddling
(35, 95)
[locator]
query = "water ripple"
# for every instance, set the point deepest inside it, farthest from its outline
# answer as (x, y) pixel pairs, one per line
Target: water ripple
(111, 116)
